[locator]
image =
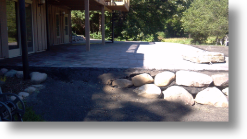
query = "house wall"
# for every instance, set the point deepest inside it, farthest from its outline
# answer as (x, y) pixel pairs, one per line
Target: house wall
(39, 27)
(53, 11)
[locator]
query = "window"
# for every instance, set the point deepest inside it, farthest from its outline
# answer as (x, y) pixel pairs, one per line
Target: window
(57, 25)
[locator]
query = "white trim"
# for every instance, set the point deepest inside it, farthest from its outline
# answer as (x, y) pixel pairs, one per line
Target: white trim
(66, 36)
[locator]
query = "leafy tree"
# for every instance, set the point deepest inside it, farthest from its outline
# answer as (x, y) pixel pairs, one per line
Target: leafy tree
(206, 17)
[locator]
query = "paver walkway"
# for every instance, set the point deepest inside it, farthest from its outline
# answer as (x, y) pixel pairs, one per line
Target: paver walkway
(153, 55)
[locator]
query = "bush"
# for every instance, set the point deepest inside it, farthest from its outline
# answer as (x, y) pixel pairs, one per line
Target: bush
(199, 38)
(96, 35)
(161, 35)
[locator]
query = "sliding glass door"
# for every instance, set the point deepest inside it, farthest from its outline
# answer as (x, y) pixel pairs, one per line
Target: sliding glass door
(13, 25)
(13, 28)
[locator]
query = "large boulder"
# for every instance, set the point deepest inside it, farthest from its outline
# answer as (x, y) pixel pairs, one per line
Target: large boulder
(3, 71)
(212, 96)
(122, 83)
(221, 79)
(164, 78)
(178, 94)
(142, 79)
(226, 91)
(148, 91)
(37, 77)
(204, 57)
(190, 78)
(10, 73)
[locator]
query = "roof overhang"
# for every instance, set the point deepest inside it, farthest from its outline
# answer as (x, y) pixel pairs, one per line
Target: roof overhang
(94, 5)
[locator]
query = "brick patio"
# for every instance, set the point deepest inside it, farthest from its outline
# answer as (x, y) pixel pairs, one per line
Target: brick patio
(158, 55)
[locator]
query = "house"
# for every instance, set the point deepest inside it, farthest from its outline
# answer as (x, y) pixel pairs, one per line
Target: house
(30, 26)
(48, 22)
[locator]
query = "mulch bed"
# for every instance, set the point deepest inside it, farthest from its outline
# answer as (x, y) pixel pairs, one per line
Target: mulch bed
(15, 85)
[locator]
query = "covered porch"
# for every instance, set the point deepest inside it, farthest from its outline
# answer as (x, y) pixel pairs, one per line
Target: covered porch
(32, 26)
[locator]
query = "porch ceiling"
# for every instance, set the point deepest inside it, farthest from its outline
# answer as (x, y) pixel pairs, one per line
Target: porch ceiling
(77, 4)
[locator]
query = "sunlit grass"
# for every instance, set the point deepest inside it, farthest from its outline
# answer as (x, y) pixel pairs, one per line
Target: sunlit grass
(178, 40)
(210, 40)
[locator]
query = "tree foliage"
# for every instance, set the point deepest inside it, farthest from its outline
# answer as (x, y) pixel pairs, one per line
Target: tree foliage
(152, 20)
(205, 18)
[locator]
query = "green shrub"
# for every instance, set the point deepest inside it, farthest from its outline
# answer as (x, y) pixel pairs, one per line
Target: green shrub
(96, 35)
(161, 35)
(199, 38)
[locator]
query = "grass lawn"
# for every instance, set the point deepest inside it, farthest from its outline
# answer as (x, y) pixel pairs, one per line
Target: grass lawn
(210, 41)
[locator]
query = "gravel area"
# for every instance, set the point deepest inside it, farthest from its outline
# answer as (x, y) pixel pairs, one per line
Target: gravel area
(79, 94)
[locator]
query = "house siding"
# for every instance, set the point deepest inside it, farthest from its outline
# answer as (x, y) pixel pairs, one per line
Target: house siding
(53, 10)
(39, 27)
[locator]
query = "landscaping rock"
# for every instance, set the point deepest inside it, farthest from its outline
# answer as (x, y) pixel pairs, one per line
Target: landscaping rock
(3, 71)
(221, 80)
(12, 98)
(212, 96)
(30, 89)
(178, 94)
(10, 73)
(23, 94)
(148, 91)
(142, 79)
(204, 57)
(164, 78)
(226, 91)
(38, 86)
(189, 78)
(19, 74)
(122, 83)
(37, 77)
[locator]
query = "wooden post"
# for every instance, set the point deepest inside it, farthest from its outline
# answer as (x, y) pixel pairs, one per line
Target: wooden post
(87, 25)
(103, 24)
(112, 20)
(23, 30)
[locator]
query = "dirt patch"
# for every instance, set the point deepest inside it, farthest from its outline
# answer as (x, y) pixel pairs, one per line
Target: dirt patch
(15, 85)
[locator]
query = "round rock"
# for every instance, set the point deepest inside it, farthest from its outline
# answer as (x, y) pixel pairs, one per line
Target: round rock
(148, 91)
(190, 78)
(3, 71)
(37, 77)
(19, 74)
(164, 78)
(11, 73)
(212, 96)
(23, 94)
(178, 94)
(30, 89)
(142, 79)
(221, 80)
(226, 91)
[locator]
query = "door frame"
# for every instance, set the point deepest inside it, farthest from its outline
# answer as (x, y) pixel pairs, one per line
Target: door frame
(66, 37)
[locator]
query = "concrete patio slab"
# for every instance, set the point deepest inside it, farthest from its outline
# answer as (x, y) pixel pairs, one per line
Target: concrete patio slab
(144, 55)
